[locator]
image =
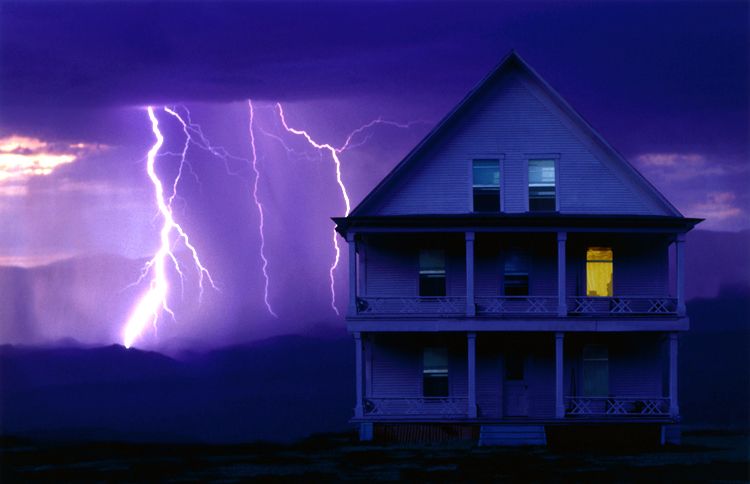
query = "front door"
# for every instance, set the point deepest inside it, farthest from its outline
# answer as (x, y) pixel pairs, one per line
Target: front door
(515, 388)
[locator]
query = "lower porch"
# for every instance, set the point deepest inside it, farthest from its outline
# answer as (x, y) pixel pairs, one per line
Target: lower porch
(516, 377)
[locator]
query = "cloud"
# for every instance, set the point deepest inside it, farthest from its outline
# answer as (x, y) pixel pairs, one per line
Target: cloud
(717, 207)
(22, 158)
(673, 166)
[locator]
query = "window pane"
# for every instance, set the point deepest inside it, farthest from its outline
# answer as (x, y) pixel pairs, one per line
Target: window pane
(541, 173)
(599, 271)
(431, 260)
(486, 199)
(516, 284)
(486, 173)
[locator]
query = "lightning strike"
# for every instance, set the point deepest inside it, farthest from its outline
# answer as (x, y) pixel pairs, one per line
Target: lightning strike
(194, 136)
(335, 152)
(155, 301)
(259, 205)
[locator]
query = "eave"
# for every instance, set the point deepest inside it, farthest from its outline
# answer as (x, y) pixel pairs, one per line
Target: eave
(515, 222)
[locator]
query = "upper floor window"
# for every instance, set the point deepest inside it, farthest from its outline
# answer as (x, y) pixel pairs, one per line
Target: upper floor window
(595, 371)
(542, 186)
(516, 276)
(432, 273)
(486, 184)
(599, 270)
(435, 372)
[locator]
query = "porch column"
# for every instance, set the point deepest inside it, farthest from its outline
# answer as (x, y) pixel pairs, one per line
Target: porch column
(358, 409)
(559, 402)
(351, 239)
(471, 339)
(562, 304)
(674, 408)
(679, 244)
(470, 306)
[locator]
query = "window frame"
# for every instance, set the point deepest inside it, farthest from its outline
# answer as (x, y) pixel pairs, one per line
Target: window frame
(447, 371)
(419, 269)
(484, 155)
(524, 254)
(555, 157)
(586, 267)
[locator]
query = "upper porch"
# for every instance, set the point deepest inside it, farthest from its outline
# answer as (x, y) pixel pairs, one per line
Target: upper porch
(516, 273)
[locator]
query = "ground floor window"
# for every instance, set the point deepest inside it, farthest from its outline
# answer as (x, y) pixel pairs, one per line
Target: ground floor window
(595, 371)
(435, 372)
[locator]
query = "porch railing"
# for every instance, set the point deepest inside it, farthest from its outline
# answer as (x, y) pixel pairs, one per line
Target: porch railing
(444, 407)
(622, 306)
(543, 306)
(533, 305)
(617, 406)
(443, 305)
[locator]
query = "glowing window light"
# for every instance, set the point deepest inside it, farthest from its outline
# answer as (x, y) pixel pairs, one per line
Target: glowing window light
(599, 270)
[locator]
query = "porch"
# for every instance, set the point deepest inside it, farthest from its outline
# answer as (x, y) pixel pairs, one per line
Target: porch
(511, 275)
(542, 377)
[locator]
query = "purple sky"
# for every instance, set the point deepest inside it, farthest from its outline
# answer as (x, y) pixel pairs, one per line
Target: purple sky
(665, 84)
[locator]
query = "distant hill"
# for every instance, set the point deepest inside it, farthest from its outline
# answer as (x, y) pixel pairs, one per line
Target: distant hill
(281, 389)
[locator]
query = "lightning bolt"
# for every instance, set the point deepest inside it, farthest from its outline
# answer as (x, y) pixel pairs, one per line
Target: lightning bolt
(155, 301)
(259, 205)
(335, 151)
(194, 135)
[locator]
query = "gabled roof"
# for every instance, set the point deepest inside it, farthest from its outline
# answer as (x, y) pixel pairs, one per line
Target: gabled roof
(510, 61)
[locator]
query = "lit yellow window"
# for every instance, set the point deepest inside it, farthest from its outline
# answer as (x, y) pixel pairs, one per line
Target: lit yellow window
(599, 271)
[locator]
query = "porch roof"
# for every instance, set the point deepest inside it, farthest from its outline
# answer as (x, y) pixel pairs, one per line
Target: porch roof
(515, 222)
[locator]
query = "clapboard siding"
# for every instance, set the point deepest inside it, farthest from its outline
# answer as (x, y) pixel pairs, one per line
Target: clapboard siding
(396, 366)
(514, 121)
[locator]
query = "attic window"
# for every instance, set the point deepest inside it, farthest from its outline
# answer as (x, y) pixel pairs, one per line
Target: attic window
(542, 186)
(486, 184)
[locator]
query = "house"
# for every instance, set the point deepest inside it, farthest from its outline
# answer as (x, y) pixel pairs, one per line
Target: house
(514, 277)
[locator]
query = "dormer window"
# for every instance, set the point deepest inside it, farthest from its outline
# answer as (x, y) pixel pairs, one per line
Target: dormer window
(486, 184)
(542, 186)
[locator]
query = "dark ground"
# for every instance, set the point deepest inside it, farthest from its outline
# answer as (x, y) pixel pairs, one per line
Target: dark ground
(703, 457)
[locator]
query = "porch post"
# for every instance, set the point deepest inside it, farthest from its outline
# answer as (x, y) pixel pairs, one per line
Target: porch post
(351, 239)
(470, 307)
(559, 402)
(679, 244)
(471, 339)
(674, 408)
(358, 409)
(562, 305)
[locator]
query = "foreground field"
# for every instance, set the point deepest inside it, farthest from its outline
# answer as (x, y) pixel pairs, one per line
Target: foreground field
(703, 457)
